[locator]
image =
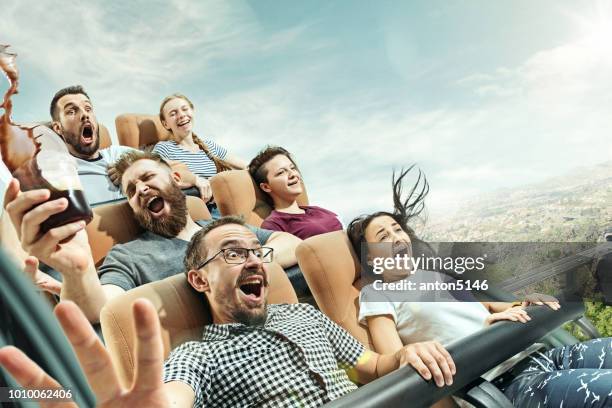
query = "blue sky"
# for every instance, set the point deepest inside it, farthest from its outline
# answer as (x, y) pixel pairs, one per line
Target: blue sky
(481, 95)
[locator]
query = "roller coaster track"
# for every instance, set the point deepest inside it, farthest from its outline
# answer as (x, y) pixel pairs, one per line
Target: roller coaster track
(556, 268)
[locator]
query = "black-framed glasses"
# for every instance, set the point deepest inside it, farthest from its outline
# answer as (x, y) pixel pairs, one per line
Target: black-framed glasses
(236, 256)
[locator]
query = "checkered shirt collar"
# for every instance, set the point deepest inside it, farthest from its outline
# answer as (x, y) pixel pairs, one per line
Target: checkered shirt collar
(219, 332)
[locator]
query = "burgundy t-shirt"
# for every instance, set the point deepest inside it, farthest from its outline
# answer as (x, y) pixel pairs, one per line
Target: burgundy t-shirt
(314, 221)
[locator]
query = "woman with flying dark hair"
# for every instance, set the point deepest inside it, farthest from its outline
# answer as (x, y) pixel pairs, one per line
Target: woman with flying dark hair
(404, 211)
(554, 378)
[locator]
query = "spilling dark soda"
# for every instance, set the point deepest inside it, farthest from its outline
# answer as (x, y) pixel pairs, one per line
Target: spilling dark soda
(38, 157)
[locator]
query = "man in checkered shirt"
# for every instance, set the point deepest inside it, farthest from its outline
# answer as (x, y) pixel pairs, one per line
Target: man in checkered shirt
(252, 354)
(277, 355)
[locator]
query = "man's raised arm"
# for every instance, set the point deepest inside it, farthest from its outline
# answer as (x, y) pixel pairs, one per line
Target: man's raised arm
(65, 248)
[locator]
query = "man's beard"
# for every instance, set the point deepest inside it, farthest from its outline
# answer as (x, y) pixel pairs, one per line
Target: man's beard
(248, 318)
(170, 225)
(74, 140)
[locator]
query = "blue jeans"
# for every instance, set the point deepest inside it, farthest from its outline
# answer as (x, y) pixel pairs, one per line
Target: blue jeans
(214, 212)
(578, 375)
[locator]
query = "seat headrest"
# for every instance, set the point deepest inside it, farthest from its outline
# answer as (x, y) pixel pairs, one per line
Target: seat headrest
(183, 313)
(105, 139)
(115, 224)
(139, 130)
(236, 193)
(333, 274)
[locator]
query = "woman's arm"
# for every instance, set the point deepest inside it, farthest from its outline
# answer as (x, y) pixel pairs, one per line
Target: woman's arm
(530, 300)
(496, 307)
(384, 334)
(235, 162)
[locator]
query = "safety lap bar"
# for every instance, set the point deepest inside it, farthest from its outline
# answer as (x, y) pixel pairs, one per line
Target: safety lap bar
(473, 356)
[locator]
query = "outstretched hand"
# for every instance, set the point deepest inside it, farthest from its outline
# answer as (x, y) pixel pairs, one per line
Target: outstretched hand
(147, 388)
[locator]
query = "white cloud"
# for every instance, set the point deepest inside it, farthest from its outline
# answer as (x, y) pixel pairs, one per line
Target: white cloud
(534, 121)
(526, 122)
(125, 54)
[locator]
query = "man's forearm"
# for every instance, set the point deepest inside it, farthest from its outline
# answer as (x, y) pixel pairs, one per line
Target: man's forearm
(86, 291)
(371, 366)
(284, 245)
(386, 363)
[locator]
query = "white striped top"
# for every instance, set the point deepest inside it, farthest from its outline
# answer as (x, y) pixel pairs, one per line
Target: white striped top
(197, 162)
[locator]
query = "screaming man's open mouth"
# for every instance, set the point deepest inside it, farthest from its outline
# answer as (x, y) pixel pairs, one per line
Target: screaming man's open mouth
(87, 133)
(156, 205)
(252, 288)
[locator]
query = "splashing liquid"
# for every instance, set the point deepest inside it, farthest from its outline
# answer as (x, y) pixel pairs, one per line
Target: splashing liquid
(37, 157)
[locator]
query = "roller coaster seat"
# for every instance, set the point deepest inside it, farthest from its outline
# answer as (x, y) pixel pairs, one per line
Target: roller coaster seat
(140, 130)
(183, 313)
(114, 223)
(236, 193)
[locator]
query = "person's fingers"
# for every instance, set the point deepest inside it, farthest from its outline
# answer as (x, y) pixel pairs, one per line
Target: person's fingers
(433, 367)
(447, 356)
(553, 305)
(25, 371)
(46, 246)
(90, 351)
(416, 363)
(31, 221)
(51, 287)
(12, 191)
(504, 316)
(18, 204)
(59, 234)
(29, 375)
(442, 364)
(205, 193)
(149, 347)
(31, 267)
(113, 174)
(523, 312)
(49, 284)
(520, 314)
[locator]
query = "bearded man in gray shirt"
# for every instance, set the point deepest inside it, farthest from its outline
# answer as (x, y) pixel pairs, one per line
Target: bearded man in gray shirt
(159, 206)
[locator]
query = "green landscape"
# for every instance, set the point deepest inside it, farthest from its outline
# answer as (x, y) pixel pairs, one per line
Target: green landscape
(570, 208)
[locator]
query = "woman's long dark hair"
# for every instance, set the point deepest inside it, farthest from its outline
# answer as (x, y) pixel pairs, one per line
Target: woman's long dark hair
(404, 209)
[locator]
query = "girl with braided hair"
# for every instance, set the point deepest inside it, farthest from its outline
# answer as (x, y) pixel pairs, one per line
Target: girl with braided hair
(204, 158)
